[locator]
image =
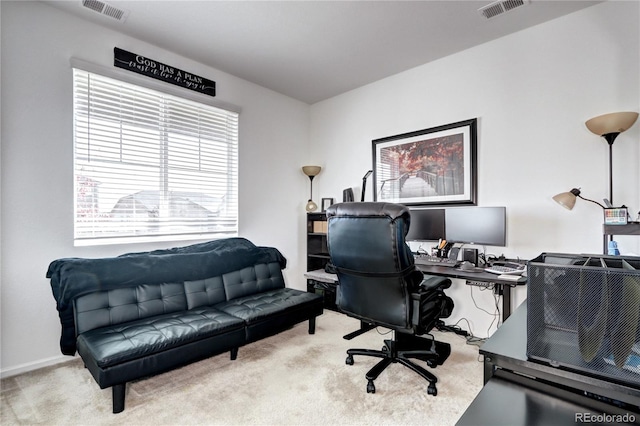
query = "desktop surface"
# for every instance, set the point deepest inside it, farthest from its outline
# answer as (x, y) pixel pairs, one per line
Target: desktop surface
(476, 275)
(447, 271)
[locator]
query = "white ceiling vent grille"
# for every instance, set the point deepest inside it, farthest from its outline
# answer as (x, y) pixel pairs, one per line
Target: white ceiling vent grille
(499, 7)
(106, 9)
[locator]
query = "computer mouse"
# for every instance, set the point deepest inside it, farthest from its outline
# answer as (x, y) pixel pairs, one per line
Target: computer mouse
(467, 266)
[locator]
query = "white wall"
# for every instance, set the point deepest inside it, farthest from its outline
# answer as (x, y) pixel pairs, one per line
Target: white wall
(531, 92)
(37, 200)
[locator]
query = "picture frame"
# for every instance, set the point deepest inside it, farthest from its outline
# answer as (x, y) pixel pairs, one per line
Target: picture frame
(326, 202)
(435, 166)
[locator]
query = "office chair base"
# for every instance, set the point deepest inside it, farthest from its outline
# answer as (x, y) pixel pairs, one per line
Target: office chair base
(402, 350)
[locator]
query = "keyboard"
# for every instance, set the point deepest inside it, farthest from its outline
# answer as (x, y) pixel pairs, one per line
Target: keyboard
(506, 269)
(434, 261)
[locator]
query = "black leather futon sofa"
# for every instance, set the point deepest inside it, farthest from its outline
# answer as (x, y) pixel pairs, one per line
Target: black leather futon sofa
(141, 314)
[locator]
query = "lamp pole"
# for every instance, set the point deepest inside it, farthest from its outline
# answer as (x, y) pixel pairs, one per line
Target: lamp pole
(610, 137)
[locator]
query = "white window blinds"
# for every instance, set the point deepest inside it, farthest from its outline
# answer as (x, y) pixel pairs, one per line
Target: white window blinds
(151, 165)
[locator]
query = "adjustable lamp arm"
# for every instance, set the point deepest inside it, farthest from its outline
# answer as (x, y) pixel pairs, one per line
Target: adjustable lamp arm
(595, 202)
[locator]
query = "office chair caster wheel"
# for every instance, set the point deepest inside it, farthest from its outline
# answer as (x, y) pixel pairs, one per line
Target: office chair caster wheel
(385, 348)
(349, 360)
(432, 364)
(371, 388)
(432, 390)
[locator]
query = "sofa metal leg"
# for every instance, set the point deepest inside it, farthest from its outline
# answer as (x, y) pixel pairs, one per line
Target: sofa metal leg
(234, 353)
(118, 397)
(312, 325)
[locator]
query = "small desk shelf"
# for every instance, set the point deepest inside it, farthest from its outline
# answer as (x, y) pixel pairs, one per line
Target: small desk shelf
(632, 228)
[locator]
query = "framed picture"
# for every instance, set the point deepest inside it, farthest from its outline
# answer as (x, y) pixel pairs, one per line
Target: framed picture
(434, 166)
(326, 202)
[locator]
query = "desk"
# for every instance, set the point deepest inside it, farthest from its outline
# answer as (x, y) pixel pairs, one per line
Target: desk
(320, 280)
(501, 287)
(534, 392)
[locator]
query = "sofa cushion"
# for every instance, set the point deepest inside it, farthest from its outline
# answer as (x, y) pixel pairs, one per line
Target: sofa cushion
(110, 307)
(120, 343)
(257, 307)
(253, 279)
(205, 292)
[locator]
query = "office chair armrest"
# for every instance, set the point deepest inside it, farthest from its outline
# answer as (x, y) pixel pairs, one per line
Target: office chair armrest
(431, 292)
(433, 282)
(415, 308)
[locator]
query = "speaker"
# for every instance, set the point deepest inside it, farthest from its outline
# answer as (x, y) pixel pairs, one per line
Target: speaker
(453, 253)
(470, 255)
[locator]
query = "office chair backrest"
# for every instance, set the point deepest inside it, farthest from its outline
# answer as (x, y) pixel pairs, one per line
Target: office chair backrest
(374, 264)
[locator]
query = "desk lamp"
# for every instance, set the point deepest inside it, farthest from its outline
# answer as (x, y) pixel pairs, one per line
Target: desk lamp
(311, 171)
(568, 199)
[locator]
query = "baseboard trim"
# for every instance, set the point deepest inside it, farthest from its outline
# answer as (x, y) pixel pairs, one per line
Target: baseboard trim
(36, 365)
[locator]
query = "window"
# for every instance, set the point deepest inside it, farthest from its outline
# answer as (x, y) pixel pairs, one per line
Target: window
(148, 165)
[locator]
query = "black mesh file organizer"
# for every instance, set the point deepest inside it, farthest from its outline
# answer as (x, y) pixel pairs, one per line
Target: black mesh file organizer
(584, 314)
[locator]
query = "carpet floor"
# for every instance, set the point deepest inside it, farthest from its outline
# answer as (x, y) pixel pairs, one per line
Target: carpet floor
(292, 378)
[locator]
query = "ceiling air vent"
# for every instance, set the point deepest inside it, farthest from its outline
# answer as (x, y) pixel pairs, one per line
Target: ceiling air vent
(106, 9)
(499, 7)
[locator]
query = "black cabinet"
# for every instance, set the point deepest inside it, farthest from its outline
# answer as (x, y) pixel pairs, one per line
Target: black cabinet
(319, 281)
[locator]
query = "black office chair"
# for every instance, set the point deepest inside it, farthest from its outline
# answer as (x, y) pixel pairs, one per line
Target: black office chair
(379, 284)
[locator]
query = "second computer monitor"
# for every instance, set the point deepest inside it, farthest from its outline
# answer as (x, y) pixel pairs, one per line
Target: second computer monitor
(477, 225)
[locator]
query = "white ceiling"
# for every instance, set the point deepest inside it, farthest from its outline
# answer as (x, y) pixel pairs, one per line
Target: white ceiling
(314, 50)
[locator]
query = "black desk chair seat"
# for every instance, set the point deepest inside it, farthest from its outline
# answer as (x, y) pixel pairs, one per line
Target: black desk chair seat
(379, 284)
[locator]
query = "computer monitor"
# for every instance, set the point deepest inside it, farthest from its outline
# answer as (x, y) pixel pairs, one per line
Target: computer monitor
(426, 225)
(477, 225)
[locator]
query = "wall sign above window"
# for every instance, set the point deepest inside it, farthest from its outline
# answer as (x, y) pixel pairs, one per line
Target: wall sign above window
(154, 69)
